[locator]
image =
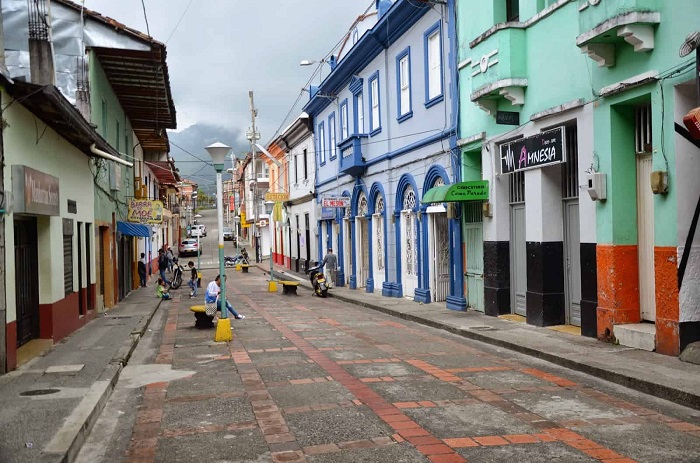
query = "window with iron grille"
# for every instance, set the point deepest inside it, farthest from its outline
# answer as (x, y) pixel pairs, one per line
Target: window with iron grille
(642, 128)
(68, 256)
(569, 169)
(517, 187)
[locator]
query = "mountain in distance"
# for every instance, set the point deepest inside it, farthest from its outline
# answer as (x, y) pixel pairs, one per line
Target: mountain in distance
(192, 141)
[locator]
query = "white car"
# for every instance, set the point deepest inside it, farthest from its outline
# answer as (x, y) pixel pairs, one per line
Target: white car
(198, 230)
(189, 246)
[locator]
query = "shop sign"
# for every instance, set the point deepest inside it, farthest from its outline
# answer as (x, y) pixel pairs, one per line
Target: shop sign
(327, 213)
(335, 201)
(507, 118)
(543, 149)
(40, 192)
(145, 211)
(276, 197)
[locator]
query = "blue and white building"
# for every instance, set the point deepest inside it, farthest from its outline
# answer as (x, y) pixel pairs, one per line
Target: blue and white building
(385, 122)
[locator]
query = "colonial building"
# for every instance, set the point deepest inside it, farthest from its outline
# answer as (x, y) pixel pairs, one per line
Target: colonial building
(592, 178)
(299, 225)
(78, 133)
(385, 129)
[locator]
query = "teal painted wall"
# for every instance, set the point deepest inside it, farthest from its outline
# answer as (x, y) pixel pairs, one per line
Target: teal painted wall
(547, 55)
(114, 126)
(522, 53)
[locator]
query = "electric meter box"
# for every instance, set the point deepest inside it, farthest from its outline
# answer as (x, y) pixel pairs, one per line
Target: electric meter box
(596, 186)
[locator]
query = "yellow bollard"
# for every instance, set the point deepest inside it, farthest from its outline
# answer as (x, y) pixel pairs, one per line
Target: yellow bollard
(238, 267)
(272, 286)
(223, 330)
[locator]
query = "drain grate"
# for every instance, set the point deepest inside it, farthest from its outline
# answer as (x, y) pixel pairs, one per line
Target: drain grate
(118, 317)
(39, 392)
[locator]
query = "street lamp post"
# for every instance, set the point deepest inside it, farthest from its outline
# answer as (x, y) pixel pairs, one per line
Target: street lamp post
(269, 205)
(218, 152)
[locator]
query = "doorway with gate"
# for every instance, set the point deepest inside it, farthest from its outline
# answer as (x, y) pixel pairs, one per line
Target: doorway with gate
(438, 253)
(474, 248)
(362, 241)
(379, 245)
(572, 225)
(347, 250)
(409, 243)
(26, 279)
(518, 249)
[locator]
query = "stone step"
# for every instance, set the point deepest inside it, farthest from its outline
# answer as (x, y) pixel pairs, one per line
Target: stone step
(638, 335)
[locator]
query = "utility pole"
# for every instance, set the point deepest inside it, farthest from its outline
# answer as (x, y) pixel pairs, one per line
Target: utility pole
(254, 136)
(3, 205)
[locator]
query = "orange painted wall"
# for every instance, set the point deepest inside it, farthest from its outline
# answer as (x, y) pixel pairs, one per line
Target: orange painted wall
(667, 305)
(618, 287)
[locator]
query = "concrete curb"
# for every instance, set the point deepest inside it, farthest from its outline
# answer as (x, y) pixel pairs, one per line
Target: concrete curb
(646, 386)
(66, 444)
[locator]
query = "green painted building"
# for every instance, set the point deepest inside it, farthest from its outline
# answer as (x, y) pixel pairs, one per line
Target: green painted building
(572, 110)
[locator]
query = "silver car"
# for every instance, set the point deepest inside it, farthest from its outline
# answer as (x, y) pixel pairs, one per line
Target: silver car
(228, 234)
(190, 247)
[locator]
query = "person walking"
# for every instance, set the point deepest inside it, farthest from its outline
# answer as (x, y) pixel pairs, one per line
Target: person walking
(212, 295)
(330, 267)
(193, 279)
(142, 270)
(163, 266)
(169, 254)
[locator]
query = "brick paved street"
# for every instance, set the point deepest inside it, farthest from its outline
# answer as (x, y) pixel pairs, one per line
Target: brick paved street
(318, 380)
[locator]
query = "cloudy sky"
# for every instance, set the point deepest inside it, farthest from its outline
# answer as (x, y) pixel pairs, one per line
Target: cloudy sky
(223, 48)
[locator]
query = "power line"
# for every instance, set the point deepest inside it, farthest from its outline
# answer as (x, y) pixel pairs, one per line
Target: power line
(178, 22)
(148, 30)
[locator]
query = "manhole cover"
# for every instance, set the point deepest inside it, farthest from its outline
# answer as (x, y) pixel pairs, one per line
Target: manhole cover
(481, 328)
(40, 392)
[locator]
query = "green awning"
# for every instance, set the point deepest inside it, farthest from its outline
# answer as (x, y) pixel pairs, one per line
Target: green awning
(463, 191)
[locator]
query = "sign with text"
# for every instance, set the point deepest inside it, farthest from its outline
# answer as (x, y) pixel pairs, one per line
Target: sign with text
(145, 211)
(507, 118)
(533, 152)
(35, 192)
(327, 213)
(335, 201)
(276, 197)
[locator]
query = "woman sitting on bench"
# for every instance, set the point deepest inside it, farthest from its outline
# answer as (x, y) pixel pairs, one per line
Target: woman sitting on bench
(212, 295)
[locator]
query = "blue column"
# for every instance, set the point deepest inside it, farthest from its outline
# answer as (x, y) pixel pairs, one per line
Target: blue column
(370, 279)
(353, 271)
(456, 299)
(341, 255)
(397, 287)
(422, 293)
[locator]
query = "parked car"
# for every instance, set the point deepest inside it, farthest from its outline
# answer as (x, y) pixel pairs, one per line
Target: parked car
(198, 230)
(228, 234)
(190, 247)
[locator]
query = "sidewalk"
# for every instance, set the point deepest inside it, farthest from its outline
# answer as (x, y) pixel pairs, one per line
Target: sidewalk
(48, 405)
(659, 375)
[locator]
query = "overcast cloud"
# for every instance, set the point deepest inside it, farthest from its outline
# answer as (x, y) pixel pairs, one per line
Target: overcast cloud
(224, 48)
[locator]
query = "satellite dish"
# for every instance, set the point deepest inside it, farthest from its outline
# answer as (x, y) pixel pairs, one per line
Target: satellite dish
(692, 42)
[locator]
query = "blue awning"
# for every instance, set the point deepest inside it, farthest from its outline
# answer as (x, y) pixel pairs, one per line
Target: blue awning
(134, 229)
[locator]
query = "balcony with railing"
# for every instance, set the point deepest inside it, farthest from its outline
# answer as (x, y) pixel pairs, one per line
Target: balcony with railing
(351, 160)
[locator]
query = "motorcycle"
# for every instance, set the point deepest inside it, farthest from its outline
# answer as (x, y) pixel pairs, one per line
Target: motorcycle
(232, 261)
(178, 270)
(318, 281)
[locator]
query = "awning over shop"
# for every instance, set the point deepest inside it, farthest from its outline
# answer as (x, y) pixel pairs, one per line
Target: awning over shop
(463, 191)
(134, 229)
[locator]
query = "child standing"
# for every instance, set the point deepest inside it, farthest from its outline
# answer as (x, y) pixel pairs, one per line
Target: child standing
(193, 279)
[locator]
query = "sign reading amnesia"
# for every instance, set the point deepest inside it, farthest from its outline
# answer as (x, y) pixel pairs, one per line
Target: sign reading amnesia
(539, 150)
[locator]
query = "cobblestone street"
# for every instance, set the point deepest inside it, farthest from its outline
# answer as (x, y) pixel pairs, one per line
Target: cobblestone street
(318, 380)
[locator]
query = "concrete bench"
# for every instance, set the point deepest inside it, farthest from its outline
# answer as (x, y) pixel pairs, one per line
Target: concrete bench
(244, 268)
(202, 320)
(289, 287)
